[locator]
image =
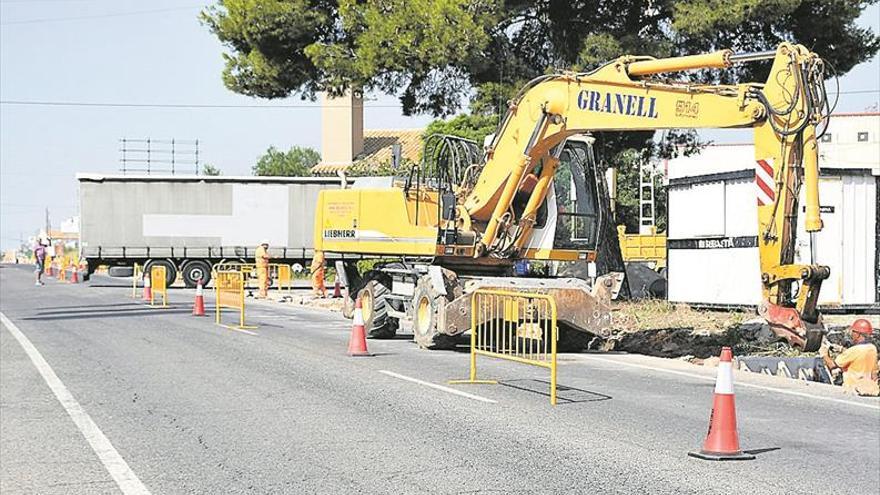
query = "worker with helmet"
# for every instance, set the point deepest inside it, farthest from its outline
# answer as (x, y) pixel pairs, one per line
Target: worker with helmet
(317, 272)
(858, 362)
(262, 262)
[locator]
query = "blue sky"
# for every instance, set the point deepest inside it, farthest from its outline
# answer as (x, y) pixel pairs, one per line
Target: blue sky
(82, 50)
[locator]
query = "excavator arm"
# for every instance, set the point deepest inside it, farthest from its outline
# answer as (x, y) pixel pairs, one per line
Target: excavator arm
(627, 95)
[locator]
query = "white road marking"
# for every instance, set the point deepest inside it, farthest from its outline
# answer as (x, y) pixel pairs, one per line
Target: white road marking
(738, 384)
(125, 478)
(242, 330)
(438, 387)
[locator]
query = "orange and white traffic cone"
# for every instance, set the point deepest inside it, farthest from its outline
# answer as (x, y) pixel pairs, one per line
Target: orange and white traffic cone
(337, 289)
(357, 343)
(74, 276)
(148, 291)
(199, 306)
(722, 441)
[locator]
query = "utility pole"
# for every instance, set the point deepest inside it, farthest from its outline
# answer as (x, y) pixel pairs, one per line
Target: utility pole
(47, 222)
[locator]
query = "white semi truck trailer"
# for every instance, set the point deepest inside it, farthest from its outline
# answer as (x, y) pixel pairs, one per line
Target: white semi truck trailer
(190, 223)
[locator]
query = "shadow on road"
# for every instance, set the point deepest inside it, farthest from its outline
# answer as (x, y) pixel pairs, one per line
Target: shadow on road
(85, 314)
(564, 395)
(130, 303)
(761, 451)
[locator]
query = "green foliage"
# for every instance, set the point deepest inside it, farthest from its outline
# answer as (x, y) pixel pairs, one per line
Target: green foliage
(294, 163)
(435, 54)
(469, 126)
(210, 170)
(627, 207)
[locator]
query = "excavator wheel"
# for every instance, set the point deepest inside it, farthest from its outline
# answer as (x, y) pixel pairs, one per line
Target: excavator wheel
(374, 306)
(425, 313)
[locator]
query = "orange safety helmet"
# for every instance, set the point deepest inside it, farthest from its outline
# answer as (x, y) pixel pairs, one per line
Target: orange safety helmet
(862, 326)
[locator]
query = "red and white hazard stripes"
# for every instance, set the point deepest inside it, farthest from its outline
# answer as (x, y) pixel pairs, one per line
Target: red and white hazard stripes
(764, 184)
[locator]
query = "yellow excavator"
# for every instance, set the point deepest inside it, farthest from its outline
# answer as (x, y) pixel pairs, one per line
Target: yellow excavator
(464, 216)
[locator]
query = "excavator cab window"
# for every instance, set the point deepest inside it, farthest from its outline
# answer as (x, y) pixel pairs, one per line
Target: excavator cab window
(577, 206)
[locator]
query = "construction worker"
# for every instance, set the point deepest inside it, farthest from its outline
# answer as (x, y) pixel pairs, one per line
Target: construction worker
(262, 262)
(40, 256)
(317, 271)
(858, 362)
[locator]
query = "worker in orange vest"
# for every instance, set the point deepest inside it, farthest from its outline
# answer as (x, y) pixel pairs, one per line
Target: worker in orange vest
(317, 272)
(262, 262)
(858, 362)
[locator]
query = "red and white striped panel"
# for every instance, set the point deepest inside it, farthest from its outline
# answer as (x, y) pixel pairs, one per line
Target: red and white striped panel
(765, 186)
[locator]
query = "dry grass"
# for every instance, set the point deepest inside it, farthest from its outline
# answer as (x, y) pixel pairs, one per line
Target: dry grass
(658, 315)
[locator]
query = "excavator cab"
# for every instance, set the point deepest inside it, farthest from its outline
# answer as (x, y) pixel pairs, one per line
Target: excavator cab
(569, 216)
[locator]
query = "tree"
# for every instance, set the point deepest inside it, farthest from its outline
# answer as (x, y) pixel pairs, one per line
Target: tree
(472, 126)
(210, 170)
(294, 163)
(434, 53)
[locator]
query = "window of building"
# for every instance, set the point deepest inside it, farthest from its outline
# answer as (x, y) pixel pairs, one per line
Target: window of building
(826, 138)
(863, 137)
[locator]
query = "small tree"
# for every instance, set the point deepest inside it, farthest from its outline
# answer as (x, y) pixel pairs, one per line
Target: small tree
(208, 169)
(293, 163)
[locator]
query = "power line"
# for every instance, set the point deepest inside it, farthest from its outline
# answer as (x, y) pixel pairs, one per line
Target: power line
(50, 103)
(100, 16)
(170, 105)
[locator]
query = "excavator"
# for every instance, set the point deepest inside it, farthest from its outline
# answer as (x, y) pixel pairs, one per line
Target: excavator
(462, 218)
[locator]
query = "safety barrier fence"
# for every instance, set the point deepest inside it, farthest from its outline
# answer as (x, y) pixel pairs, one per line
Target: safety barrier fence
(62, 273)
(136, 274)
(158, 285)
(513, 326)
(280, 273)
(229, 293)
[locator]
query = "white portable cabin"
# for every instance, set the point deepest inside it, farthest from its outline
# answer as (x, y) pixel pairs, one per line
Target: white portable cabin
(712, 253)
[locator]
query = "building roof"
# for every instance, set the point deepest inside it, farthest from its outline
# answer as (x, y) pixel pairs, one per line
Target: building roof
(377, 150)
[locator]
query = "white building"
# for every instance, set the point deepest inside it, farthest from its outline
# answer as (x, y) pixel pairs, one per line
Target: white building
(712, 255)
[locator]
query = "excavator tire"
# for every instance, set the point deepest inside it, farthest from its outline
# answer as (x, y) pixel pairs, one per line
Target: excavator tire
(375, 311)
(425, 315)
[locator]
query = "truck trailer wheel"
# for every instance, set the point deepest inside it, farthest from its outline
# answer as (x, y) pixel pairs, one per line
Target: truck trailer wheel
(425, 309)
(193, 271)
(170, 270)
(374, 307)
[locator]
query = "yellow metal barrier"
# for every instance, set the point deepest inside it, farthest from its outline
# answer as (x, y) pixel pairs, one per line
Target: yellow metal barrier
(62, 275)
(283, 277)
(229, 293)
(642, 247)
(514, 326)
(282, 274)
(136, 274)
(158, 285)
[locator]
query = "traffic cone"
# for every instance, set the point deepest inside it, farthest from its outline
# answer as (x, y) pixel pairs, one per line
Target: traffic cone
(337, 289)
(357, 343)
(199, 306)
(148, 292)
(722, 441)
(74, 276)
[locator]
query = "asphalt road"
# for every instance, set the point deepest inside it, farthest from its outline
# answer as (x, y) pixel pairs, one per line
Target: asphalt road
(191, 407)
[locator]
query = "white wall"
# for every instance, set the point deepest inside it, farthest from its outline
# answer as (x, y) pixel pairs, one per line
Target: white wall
(727, 209)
